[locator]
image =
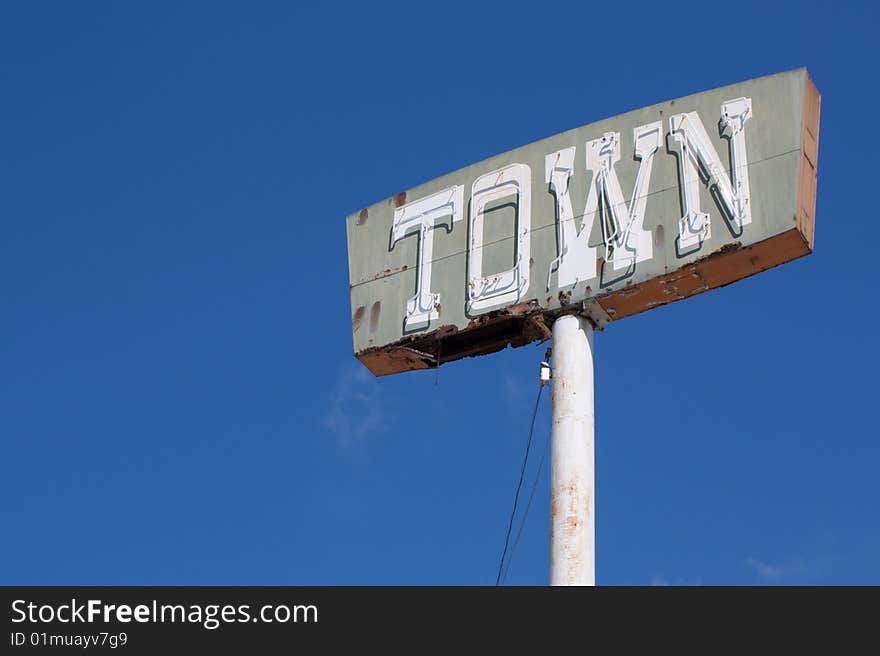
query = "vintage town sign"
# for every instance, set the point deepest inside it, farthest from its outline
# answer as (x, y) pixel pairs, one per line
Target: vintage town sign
(608, 220)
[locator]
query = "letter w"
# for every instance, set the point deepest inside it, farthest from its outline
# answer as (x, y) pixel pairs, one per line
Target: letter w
(626, 241)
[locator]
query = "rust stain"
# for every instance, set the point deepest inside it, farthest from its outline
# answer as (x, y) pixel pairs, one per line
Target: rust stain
(374, 316)
(572, 496)
(630, 291)
(565, 298)
(518, 310)
(395, 360)
(686, 285)
(362, 217)
(659, 237)
(537, 325)
(400, 199)
(357, 318)
(381, 274)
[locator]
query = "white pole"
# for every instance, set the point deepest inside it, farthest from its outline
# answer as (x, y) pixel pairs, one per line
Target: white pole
(572, 502)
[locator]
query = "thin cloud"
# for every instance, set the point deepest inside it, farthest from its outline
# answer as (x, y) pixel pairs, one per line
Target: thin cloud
(513, 390)
(356, 409)
(661, 580)
(777, 571)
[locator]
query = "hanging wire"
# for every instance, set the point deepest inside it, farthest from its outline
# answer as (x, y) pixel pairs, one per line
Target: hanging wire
(522, 523)
(522, 473)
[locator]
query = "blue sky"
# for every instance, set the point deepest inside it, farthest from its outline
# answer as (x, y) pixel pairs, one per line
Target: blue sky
(179, 403)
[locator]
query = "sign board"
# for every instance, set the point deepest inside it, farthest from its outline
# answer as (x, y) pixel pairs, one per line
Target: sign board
(606, 220)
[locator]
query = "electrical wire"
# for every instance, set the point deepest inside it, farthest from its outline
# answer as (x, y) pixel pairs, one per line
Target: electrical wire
(522, 523)
(548, 226)
(522, 473)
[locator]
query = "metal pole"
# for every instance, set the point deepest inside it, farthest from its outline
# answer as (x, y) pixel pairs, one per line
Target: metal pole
(572, 502)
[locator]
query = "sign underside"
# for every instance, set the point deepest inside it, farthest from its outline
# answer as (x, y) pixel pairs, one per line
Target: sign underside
(606, 220)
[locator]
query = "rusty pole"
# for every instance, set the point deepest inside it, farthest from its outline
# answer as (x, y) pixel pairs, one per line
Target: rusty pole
(572, 505)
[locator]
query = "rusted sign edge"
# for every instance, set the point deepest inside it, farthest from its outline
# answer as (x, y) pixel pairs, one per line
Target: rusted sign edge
(806, 218)
(528, 322)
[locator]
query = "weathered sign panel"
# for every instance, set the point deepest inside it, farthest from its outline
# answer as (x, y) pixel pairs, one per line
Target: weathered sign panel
(609, 220)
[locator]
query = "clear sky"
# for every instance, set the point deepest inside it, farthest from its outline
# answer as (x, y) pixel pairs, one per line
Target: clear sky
(179, 403)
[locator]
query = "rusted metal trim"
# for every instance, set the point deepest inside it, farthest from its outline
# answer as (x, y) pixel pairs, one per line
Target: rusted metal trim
(806, 211)
(516, 325)
(393, 360)
(721, 268)
(382, 274)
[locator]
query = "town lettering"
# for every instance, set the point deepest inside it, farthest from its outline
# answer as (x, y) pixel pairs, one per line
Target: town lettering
(625, 242)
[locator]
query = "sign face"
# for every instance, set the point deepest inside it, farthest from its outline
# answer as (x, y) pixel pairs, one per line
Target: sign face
(606, 220)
